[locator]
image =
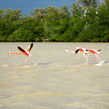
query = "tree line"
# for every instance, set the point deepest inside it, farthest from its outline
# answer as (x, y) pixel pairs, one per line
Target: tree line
(86, 21)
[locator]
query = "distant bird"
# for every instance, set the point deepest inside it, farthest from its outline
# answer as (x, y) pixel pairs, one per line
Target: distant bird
(25, 52)
(85, 52)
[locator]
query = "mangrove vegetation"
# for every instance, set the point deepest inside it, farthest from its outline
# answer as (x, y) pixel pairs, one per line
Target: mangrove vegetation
(86, 21)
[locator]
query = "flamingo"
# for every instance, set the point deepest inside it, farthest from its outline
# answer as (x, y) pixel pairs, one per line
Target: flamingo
(85, 52)
(25, 52)
(95, 52)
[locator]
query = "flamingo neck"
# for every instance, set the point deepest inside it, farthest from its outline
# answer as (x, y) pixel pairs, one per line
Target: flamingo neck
(14, 53)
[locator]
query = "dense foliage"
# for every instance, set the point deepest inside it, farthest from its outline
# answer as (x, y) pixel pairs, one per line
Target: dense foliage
(87, 21)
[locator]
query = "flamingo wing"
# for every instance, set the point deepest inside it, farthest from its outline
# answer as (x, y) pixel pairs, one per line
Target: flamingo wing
(29, 47)
(76, 51)
(20, 49)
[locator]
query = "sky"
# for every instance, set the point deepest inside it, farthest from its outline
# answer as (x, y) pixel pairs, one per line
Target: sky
(28, 5)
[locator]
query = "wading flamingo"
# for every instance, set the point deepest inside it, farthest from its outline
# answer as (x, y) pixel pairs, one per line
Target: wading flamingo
(25, 52)
(85, 53)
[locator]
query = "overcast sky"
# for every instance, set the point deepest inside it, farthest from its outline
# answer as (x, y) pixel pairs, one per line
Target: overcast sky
(28, 5)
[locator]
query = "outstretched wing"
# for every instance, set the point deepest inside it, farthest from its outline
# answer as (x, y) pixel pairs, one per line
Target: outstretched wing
(29, 47)
(20, 49)
(76, 51)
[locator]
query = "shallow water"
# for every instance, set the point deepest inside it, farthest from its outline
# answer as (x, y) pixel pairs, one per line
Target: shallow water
(61, 80)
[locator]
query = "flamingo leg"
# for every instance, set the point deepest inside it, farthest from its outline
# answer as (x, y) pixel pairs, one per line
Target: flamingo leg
(26, 59)
(94, 60)
(32, 60)
(97, 57)
(86, 57)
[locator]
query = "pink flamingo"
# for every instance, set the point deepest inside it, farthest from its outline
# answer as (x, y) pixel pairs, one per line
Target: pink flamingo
(25, 52)
(85, 53)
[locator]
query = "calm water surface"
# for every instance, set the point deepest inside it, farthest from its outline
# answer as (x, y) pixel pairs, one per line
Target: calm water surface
(61, 80)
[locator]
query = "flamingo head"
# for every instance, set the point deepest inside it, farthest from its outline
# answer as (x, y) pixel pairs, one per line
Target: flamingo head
(65, 50)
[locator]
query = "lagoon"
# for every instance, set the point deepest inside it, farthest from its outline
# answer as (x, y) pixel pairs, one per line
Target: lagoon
(61, 80)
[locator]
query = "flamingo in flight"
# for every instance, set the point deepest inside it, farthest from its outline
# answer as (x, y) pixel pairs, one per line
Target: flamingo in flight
(85, 52)
(25, 52)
